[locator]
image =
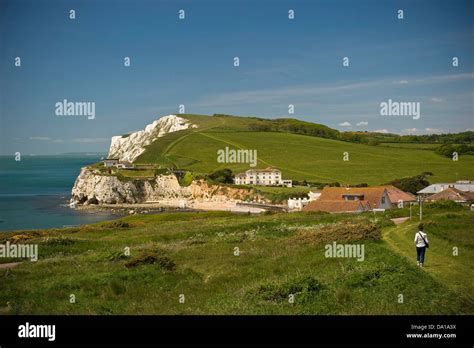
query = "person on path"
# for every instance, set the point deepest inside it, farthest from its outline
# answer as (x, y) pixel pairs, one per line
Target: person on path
(422, 243)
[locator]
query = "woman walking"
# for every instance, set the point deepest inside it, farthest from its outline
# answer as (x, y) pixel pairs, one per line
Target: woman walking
(421, 242)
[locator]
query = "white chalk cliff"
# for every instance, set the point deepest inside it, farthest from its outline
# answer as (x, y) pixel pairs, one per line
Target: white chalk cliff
(94, 186)
(129, 147)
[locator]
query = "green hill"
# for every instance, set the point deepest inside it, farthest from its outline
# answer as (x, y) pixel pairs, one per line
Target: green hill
(302, 150)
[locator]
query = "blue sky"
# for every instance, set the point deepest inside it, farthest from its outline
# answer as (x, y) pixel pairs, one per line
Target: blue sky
(190, 62)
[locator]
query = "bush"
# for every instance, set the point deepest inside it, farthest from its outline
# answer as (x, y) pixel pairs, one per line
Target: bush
(186, 179)
(59, 241)
(411, 184)
(117, 224)
(152, 258)
(447, 150)
(222, 176)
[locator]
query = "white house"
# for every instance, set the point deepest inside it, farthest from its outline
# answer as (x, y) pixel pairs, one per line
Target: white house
(115, 162)
(111, 162)
(462, 185)
(297, 203)
(313, 195)
(262, 177)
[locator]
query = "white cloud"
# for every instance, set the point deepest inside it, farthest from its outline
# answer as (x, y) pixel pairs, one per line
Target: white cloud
(410, 131)
(89, 140)
(434, 131)
(345, 124)
(41, 138)
(362, 123)
(381, 131)
(298, 91)
(414, 131)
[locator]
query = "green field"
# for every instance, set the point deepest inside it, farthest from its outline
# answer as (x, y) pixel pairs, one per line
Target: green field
(193, 254)
(299, 157)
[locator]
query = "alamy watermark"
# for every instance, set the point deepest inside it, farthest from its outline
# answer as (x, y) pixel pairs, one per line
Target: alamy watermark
(37, 331)
(68, 108)
(237, 156)
(23, 251)
(394, 108)
(345, 250)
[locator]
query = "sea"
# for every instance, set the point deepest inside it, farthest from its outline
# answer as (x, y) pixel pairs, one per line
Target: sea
(35, 192)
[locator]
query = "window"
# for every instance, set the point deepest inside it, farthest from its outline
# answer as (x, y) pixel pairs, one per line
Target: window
(383, 200)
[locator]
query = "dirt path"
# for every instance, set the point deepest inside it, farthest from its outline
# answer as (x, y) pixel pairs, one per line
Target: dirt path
(440, 263)
(398, 221)
(9, 265)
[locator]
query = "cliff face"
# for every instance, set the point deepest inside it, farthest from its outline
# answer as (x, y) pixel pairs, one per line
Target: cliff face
(128, 148)
(93, 188)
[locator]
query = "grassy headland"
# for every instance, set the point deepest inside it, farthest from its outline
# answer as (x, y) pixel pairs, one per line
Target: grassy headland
(194, 254)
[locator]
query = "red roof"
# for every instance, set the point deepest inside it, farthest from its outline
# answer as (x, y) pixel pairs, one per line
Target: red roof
(371, 194)
(395, 195)
(452, 194)
(337, 206)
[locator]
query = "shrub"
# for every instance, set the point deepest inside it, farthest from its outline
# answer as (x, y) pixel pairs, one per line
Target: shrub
(222, 176)
(58, 241)
(117, 224)
(18, 238)
(151, 258)
(186, 179)
(411, 184)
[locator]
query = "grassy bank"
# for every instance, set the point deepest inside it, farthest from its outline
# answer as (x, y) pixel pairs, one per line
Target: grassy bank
(279, 255)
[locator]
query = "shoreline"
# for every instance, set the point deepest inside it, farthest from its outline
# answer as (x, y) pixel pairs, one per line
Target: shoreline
(124, 209)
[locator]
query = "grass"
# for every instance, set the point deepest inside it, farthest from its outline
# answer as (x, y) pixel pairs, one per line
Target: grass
(446, 231)
(278, 255)
(196, 150)
(136, 174)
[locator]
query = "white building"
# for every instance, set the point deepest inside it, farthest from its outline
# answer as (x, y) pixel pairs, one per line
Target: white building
(462, 185)
(115, 162)
(297, 203)
(262, 177)
(313, 195)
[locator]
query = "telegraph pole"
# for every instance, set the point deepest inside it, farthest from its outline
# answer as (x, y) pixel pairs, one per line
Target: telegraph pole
(420, 199)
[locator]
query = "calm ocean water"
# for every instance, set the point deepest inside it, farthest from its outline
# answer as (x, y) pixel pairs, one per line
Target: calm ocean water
(34, 192)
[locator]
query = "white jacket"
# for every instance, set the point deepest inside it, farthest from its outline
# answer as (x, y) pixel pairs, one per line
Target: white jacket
(419, 241)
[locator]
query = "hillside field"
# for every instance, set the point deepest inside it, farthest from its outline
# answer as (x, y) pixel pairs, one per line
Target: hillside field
(300, 157)
(194, 254)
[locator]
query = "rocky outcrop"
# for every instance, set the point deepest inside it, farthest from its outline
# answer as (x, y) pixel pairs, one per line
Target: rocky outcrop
(93, 187)
(129, 147)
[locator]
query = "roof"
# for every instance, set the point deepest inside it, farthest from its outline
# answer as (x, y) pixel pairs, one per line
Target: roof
(452, 194)
(371, 194)
(395, 195)
(268, 169)
(435, 188)
(337, 206)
